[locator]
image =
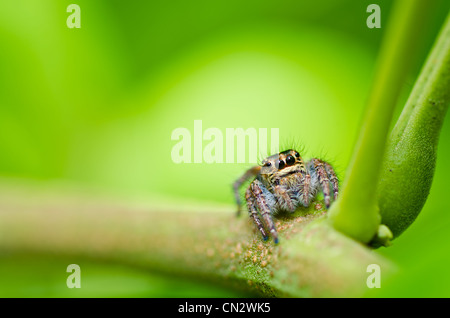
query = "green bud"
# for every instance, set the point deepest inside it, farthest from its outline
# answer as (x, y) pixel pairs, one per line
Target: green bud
(410, 155)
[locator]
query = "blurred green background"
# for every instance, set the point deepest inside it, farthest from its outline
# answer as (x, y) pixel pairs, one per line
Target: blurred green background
(96, 107)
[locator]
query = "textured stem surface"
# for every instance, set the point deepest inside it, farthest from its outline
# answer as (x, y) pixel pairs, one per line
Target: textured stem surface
(312, 259)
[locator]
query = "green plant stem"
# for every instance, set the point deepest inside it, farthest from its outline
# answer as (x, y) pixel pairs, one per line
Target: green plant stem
(356, 212)
(410, 158)
(312, 260)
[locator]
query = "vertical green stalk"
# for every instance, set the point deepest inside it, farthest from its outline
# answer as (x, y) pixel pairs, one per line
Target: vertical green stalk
(410, 158)
(356, 213)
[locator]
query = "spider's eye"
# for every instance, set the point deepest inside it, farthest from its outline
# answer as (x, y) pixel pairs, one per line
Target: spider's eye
(281, 164)
(267, 164)
(297, 154)
(290, 160)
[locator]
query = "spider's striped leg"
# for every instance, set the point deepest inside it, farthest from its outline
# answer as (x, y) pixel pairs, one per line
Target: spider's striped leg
(253, 211)
(319, 167)
(333, 179)
(237, 184)
(264, 208)
(306, 188)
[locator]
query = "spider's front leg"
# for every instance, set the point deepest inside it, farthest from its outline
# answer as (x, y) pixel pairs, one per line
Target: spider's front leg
(264, 206)
(237, 184)
(326, 175)
(253, 211)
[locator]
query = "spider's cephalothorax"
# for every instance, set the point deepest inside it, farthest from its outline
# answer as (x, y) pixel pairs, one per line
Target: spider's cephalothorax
(284, 182)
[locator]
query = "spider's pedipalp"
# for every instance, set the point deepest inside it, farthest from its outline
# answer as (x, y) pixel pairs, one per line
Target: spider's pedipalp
(284, 198)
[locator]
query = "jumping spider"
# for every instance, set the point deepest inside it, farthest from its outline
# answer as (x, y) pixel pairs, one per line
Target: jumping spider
(284, 182)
